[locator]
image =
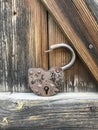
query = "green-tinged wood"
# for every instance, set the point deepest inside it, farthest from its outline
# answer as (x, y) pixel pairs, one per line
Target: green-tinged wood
(73, 26)
(78, 111)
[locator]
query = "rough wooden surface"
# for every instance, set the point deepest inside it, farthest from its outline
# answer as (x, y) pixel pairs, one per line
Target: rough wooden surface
(73, 21)
(93, 6)
(27, 29)
(71, 111)
(23, 40)
(77, 78)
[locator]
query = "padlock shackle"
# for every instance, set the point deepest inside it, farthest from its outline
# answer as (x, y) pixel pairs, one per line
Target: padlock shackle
(55, 46)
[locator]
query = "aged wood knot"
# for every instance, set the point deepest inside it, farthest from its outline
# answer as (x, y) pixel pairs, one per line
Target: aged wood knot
(14, 13)
(20, 105)
(92, 108)
(5, 121)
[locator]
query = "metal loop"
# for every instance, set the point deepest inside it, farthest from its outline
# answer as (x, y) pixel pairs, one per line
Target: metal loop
(52, 47)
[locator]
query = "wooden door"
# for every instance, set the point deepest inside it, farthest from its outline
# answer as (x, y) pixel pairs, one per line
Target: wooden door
(27, 29)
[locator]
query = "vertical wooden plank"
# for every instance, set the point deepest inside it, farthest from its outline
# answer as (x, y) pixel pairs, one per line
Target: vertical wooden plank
(6, 44)
(22, 27)
(60, 56)
(44, 37)
(37, 34)
(35, 30)
(56, 36)
(23, 41)
(40, 35)
(14, 36)
(31, 33)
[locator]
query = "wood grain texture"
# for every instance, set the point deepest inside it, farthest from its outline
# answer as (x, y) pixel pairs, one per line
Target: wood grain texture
(23, 40)
(77, 78)
(90, 25)
(27, 29)
(88, 19)
(93, 6)
(61, 112)
(69, 20)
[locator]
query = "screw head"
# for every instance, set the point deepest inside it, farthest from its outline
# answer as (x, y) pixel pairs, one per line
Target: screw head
(90, 46)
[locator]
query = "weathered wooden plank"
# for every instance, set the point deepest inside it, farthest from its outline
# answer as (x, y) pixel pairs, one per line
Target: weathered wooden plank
(71, 111)
(93, 6)
(58, 57)
(23, 40)
(26, 31)
(36, 43)
(13, 53)
(37, 34)
(87, 18)
(67, 17)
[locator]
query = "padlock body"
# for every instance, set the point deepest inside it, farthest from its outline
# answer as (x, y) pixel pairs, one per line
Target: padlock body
(46, 83)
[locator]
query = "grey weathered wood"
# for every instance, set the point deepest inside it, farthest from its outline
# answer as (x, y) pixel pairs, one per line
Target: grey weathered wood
(71, 111)
(93, 5)
(22, 42)
(14, 44)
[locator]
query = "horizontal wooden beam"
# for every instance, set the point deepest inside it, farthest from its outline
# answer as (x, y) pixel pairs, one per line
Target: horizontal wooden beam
(65, 111)
(68, 19)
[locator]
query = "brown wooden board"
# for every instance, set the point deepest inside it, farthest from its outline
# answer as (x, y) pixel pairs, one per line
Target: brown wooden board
(79, 25)
(77, 78)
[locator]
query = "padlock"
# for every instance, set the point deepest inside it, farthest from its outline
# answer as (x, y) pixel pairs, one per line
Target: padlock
(51, 82)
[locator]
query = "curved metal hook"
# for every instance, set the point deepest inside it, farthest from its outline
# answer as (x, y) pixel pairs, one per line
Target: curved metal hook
(52, 47)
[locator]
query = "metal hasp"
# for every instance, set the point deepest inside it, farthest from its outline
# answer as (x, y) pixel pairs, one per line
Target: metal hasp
(48, 83)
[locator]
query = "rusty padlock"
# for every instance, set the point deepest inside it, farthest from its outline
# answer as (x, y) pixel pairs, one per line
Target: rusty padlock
(48, 83)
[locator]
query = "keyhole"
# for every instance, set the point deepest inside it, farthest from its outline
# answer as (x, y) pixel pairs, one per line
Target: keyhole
(46, 88)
